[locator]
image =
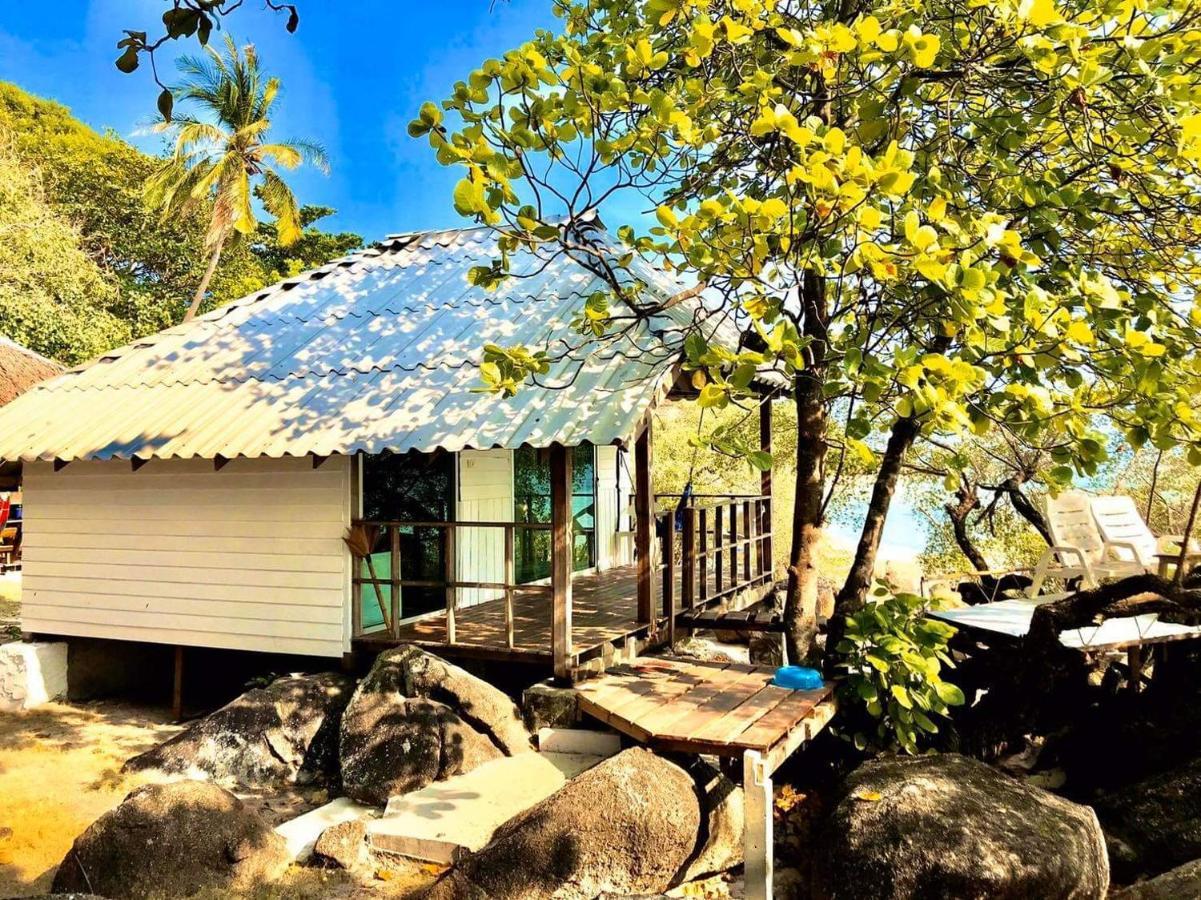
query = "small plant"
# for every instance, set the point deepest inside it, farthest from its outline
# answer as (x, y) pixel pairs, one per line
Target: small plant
(893, 654)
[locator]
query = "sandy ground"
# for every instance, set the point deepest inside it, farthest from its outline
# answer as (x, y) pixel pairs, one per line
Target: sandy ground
(60, 770)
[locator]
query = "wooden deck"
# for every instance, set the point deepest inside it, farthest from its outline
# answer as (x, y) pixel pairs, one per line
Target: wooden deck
(723, 709)
(604, 612)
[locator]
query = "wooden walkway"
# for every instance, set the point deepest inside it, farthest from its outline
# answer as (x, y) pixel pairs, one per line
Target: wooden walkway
(721, 709)
(688, 706)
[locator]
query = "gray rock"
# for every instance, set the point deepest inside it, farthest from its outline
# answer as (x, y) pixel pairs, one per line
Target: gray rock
(392, 745)
(948, 828)
(285, 732)
(1153, 825)
(344, 845)
(1177, 884)
(173, 840)
(767, 649)
(546, 706)
(722, 822)
(625, 827)
(413, 672)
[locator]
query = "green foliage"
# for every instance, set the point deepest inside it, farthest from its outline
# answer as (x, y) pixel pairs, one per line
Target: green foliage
(92, 185)
(962, 214)
(893, 692)
(185, 19)
(53, 297)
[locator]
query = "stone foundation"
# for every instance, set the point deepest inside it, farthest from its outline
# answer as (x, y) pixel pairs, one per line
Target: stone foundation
(31, 674)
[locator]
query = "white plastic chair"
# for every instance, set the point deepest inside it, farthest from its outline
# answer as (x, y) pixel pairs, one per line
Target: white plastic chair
(1079, 550)
(1120, 522)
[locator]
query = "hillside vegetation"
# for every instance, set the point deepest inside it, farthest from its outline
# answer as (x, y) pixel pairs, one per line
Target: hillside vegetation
(84, 264)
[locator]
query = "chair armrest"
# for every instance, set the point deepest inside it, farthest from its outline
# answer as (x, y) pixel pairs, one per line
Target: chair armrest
(1119, 545)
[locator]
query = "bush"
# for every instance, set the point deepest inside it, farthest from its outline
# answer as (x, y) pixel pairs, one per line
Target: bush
(893, 655)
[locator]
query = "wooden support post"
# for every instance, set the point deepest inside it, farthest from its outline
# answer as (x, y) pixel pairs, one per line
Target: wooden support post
(757, 836)
(733, 544)
(452, 594)
(561, 559)
(669, 578)
(702, 567)
(718, 537)
(177, 687)
(688, 559)
(394, 576)
(510, 568)
(1134, 662)
(748, 524)
(765, 512)
(644, 526)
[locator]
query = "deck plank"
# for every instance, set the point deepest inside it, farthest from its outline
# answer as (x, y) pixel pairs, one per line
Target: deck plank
(723, 709)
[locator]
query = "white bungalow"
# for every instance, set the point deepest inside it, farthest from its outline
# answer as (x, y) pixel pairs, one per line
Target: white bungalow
(209, 485)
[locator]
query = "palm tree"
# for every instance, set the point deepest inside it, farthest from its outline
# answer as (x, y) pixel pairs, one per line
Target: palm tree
(222, 157)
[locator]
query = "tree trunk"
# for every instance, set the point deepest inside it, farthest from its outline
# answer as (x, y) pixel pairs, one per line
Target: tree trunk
(202, 288)
(1025, 508)
(966, 501)
(800, 608)
(854, 590)
(808, 512)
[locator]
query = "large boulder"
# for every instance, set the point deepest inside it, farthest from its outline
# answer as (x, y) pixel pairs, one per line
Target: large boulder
(173, 840)
(951, 827)
(1178, 884)
(721, 844)
(284, 732)
(1153, 825)
(415, 719)
(484, 707)
(626, 826)
(395, 746)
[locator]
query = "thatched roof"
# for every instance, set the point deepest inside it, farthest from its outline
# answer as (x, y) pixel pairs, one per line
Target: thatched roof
(21, 369)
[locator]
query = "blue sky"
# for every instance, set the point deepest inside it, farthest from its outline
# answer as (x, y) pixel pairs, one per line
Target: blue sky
(353, 76)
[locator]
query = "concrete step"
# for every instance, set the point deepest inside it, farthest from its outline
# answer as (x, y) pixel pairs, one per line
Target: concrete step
(446, 819)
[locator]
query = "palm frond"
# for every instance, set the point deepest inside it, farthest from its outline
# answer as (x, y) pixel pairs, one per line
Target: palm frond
(281, 203)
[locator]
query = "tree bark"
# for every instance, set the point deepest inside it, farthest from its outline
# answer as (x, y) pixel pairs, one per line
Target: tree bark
(854, 590)
(966, 501)
(202, 288)
(800, 606)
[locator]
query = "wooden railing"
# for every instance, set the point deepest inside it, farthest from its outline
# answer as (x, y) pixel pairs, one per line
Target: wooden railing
(717, 547)
(386, 535)
(722, 548)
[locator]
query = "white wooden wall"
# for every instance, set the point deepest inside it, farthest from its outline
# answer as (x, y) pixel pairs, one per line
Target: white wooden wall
(611, 549)
(485, 495)
(249, 557)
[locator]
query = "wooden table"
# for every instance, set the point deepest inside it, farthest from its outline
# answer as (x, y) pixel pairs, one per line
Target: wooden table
(1168, 561)
(722, 709)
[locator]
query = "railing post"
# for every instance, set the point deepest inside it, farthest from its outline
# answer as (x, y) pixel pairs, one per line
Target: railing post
(703, 566)
(669, 577)
(733, 545)
(748, 525)
(394, 577)
(448, 566)
(509, 579)
(765, 512)
(719, 570)
(688, 559)
(644, 527)
(561, 558)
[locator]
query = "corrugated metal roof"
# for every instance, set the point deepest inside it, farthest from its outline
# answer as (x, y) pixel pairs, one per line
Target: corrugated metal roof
(377, 351)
